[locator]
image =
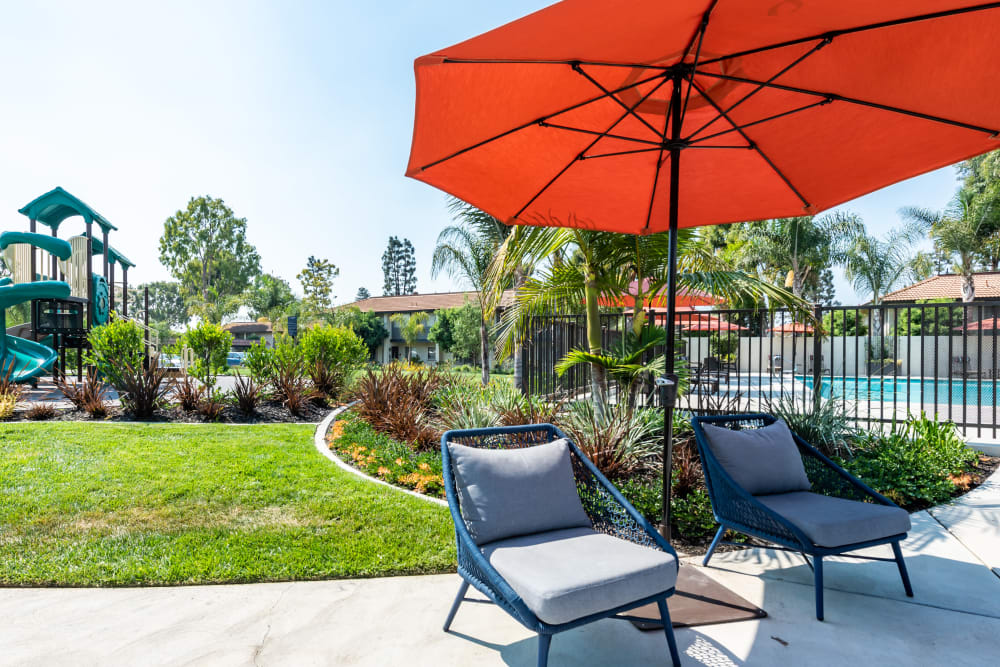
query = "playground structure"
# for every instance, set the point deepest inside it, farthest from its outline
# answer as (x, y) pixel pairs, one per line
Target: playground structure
(68, 298)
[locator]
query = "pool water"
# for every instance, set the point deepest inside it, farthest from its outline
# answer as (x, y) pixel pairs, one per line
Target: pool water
(903, 390)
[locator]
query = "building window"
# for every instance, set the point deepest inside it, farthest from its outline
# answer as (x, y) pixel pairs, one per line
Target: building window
(395, 352)
(430, 354)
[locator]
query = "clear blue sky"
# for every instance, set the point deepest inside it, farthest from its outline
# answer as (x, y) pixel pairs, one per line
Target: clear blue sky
(298, 114)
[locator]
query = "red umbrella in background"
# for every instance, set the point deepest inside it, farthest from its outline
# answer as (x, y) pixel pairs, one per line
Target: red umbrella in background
(712, 323)
(648, 116)
(988, 324)
(684, 297)
(793, 328)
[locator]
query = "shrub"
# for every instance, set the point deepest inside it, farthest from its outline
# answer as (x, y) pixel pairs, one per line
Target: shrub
(117, 344)
(400, 403)
(287, 373)
(258, 359)
(619, 441)
(89, 395)
(246, 394)
(211, 404)
(188, 391)
(331, 355)
(825, 426)
(40, 412)
(914, 462)
(210, 344)
(690, 514)
(142, 390)
(517, 409)
(8, 401)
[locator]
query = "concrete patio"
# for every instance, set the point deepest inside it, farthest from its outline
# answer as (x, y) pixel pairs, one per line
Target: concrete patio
(954, 618)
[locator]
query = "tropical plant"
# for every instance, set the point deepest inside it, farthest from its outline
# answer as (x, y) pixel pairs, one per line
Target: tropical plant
(619, 441)
(400, 403)
(246, 394)
(37, 412)
(211, 404)
(875, 266)
(584, 266)
(411, 327)
(188, 392)
(823, 424)
(142, 390)
(90, 395)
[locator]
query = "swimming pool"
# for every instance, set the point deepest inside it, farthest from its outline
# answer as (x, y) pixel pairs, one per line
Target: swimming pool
(903, 390)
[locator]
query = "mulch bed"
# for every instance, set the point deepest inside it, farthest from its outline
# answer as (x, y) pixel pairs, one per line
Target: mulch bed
(268, 412)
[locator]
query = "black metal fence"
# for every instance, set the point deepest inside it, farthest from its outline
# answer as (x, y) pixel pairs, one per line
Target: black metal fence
(880, 363)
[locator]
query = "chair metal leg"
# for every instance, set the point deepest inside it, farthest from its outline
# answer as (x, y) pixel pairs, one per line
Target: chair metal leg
(902, 569)
(454, 605)
(543, 649)
(715, 543)
(668, 629)
(818, 572)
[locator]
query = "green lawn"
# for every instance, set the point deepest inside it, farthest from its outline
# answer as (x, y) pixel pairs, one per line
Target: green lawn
(86, 504)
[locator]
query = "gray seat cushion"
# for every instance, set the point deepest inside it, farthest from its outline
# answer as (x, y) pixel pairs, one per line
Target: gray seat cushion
(761, 460)
(509, 492)
(564, 575)
(834, 522)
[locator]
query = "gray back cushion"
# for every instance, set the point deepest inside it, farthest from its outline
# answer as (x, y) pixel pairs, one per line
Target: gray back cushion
(761, 460)
(510, 492)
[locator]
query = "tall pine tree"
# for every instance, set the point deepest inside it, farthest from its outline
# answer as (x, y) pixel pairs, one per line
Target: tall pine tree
(362, 294)
(399, 266)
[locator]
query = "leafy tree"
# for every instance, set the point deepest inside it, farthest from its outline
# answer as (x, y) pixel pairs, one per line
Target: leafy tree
(411, 327)
(210, 344)
(366, 324)
(844, 323)
(270, 297)
(442, 332)
(115, 345)
(399, 266)
(205, 248)
(317, 283)
(166, 303)
(939, 320)
(331, 355)
(362, 294)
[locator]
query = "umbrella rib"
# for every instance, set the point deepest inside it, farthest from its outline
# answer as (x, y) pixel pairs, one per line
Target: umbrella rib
(760, 87)
(863, 28)
(538, 120)
(621, 137)
(806, 107)
(836, 97)
(578, 69)
(617, 153)
(773, 166)
(659, 164)
(589, 146)
(703, 28)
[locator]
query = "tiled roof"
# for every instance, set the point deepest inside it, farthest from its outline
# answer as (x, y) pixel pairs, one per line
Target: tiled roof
(948, 286)
(248, 327)
(429, 302)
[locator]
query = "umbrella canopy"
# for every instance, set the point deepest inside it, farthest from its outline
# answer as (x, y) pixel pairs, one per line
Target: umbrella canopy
(560, 118)
(988, 324)
(793, 328)
(648, 116)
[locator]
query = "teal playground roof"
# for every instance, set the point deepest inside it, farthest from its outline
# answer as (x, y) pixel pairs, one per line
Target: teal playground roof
(56, 205)
(97, 247)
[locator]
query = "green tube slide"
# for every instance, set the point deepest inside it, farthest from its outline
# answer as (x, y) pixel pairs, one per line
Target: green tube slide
(25, 359)
(58, 247)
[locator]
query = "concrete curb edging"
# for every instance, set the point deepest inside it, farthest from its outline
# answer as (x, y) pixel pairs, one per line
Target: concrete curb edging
(319, 440)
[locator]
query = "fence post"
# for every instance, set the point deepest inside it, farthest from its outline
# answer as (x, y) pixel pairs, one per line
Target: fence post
(818, 353)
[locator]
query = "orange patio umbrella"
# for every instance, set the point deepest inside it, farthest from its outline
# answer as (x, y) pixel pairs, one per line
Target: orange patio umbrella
(647, 116)
(684, 297)
(712, 323)
(988, 324)
(793, 328)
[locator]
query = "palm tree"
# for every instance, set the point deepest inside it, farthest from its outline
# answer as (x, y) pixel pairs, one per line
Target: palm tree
(581, 266)
(465, 252)
(876, 266)
(961, 231)
(411, 327)
(800, 248)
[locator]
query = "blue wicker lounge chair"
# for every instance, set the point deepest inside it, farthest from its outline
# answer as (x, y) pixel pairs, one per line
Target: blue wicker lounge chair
(544, 535)
(759, 485)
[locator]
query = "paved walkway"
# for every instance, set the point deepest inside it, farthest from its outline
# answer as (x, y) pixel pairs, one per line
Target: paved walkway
(954, 618)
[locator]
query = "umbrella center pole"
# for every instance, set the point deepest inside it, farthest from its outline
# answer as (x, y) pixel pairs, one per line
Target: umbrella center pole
(668, 391)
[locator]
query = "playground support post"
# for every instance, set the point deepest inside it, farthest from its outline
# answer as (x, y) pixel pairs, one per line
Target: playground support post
(104, 255)
(55, 260)
(90, 273)
(125, 291)
(111, 283)
(145, 320)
